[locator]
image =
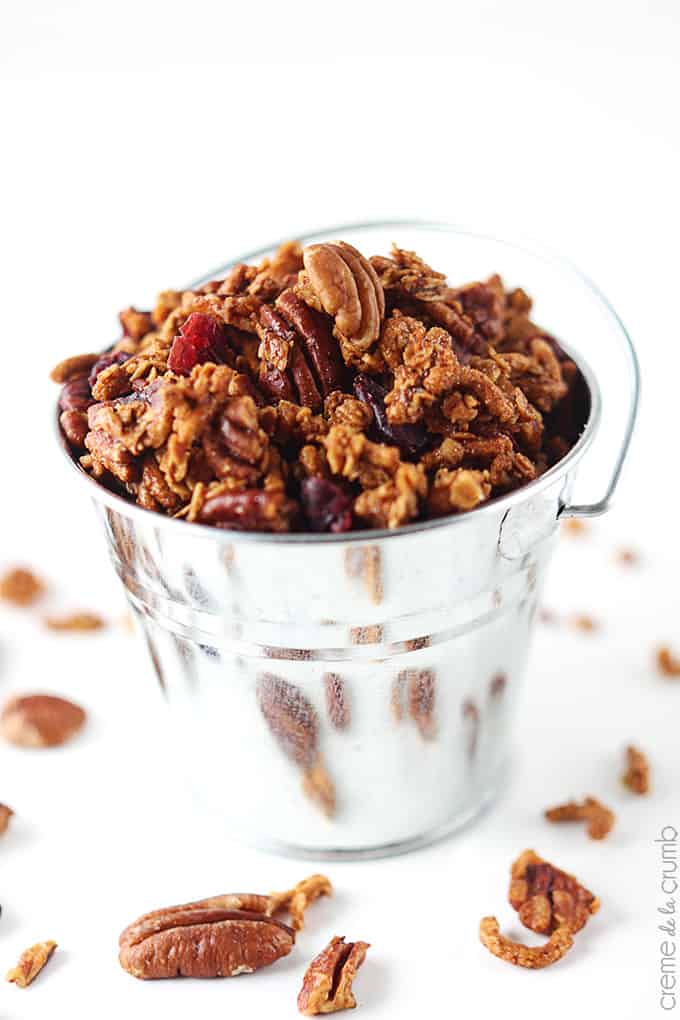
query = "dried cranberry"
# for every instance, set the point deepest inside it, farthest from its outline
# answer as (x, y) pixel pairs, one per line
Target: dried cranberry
(106, 360)
(327, 506)
(201, 338)
(411, 439)
(75, 394)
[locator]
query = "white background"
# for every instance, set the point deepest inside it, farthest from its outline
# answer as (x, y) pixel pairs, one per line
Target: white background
(144, 143)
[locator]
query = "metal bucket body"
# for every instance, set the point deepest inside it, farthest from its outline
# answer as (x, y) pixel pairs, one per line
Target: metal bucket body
(345, 696)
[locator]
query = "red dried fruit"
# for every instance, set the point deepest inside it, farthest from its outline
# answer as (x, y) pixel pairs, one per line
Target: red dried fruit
(201, 338)
(326, 505)
(411, 439)
(106, 360)
(75, 394)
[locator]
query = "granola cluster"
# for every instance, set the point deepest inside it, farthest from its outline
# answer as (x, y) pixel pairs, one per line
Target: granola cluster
(323, 391)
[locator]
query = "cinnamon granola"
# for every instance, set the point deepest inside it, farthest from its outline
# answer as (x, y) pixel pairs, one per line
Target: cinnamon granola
(323, 391)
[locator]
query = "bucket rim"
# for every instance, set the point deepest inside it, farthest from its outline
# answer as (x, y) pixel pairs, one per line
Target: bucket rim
(500, 504)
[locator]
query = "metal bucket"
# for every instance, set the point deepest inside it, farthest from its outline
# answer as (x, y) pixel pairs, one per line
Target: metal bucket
(352, 695)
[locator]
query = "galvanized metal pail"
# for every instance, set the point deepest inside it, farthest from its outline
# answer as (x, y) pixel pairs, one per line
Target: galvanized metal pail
(352, 695)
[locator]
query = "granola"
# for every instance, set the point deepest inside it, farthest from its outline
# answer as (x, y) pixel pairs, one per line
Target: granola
(323, 391)
(636, 774)
(547, 898)
(598, 818)
(327, 984)
(31, 962)
(532, 957)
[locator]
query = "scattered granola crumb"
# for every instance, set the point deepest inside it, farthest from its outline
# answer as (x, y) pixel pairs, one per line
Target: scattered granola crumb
(585, 623)
(600, 820)
(297, 899)
(574, 527)
(31, 962)
(5, 815)
(80, 621)
(627, 557)
(327, 984)
(636, 775)
(21, 586)
(667, 663)
(547, 898)
(532, 957)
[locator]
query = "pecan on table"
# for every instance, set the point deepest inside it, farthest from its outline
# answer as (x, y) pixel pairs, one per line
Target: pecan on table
(218, 937)
(327, 984)
(40, 720)
(31, 962)
(667, 663)
(546, 898)
(21, 587)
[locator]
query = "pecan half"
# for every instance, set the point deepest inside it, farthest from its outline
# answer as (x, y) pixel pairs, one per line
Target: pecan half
(598, 818)
(219, 937)
(636, 775)
(532, 957)
(79, 364)
(546, 898)
(40, 720)
(31, 962)
(21, 587)
(300, 360)
(5, 815)
(348, 288)
(319, 787)
(327, 984)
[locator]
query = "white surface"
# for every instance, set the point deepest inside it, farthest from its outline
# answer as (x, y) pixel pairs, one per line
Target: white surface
(136, 155)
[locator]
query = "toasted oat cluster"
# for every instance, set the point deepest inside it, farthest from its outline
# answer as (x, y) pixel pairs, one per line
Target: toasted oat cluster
(323, 391)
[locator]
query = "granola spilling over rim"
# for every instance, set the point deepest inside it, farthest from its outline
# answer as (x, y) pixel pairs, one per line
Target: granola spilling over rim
(323, 391)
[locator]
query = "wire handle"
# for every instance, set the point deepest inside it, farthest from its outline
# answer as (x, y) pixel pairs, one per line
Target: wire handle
(601, 507)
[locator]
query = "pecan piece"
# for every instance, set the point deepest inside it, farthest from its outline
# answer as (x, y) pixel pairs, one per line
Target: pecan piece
(21, 587)
(40, 720)
(205, 939)
(348, 288)
(250, 510)
(327, 984)
(5, 815)
(532, 957)
(546, 898)
(314, 330)
(636, 775)
(31, 962)
(297, 899)
(599, 819)
(79, 364)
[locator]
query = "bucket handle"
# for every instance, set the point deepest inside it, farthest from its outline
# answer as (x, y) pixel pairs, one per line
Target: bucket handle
(604, 504)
